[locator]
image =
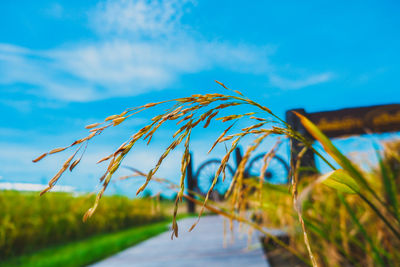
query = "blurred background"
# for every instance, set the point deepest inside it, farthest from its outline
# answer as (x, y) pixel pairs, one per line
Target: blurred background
(66, 64)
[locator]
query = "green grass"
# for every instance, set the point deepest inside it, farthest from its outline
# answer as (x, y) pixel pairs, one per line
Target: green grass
(29, 223)
(90, 250)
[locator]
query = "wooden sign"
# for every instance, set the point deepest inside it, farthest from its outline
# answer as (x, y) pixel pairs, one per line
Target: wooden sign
(343, 122)
(356, 121)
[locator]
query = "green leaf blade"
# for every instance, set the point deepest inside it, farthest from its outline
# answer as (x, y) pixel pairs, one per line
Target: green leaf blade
(341, 181)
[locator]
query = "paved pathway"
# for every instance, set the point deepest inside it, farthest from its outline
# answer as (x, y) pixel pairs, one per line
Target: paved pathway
(201, 247)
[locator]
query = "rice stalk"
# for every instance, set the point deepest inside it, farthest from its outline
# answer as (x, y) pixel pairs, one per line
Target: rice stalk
(204, 109)
(297, 207)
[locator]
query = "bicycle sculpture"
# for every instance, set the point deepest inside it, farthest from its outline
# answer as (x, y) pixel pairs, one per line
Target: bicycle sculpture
(277, 172)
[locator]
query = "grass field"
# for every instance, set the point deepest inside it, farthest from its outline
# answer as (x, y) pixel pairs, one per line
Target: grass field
(87, 251)
(29, 223)
(342, 228)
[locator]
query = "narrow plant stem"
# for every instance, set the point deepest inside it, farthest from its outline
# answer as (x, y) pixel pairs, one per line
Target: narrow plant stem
(349, 258)
(383, 218)
(297, 207)
(309, 145)
(357, 222)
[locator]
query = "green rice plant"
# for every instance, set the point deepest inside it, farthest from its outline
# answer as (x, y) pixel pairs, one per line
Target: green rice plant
(337, 227)
(29, 223)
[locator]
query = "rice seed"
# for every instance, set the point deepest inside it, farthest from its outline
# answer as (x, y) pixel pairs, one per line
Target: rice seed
(112, 117)
(210, 118)
(105, 158)
(228, 118)
(238, 92)
(120, 149)
(258, 125)
(40, 157)
(257, 118)
(73, 165)
(226, 138)
(90, 126)
(223, 85)
(90, 136)
(150, 105)
(185, 118)
(117, 121)
(56, 150)
(181, 129)
(111, 164)
(99, 129)
(77, 142)
(44, 191)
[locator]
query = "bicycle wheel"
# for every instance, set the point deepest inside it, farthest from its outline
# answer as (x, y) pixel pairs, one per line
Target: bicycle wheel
(205, 175)
(277, 171)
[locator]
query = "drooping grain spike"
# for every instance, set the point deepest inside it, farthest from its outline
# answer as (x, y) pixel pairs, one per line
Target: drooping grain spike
(266, 160)
(221, 136)
(60, 172)
(223, 85)
(163, 156)
(210, 118)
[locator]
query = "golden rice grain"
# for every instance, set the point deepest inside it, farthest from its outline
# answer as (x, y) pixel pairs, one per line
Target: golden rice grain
(56, 150)
(40, 157)
(91, 126)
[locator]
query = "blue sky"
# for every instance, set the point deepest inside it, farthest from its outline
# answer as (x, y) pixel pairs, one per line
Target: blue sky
(66, 64)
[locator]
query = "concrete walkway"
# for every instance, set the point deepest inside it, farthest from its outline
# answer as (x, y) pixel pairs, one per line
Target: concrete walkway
(204, 247)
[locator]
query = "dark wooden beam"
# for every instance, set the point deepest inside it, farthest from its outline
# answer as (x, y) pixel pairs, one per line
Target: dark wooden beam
(191, 185)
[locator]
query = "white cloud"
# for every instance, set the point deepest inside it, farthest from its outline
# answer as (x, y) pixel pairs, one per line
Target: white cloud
(120, 68)
(42, 72)
(149, 18)
(146, 49)
(288, 84)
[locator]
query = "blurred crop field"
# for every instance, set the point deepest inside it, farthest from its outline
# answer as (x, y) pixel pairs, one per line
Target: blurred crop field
(342, 229)
(29, 223)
